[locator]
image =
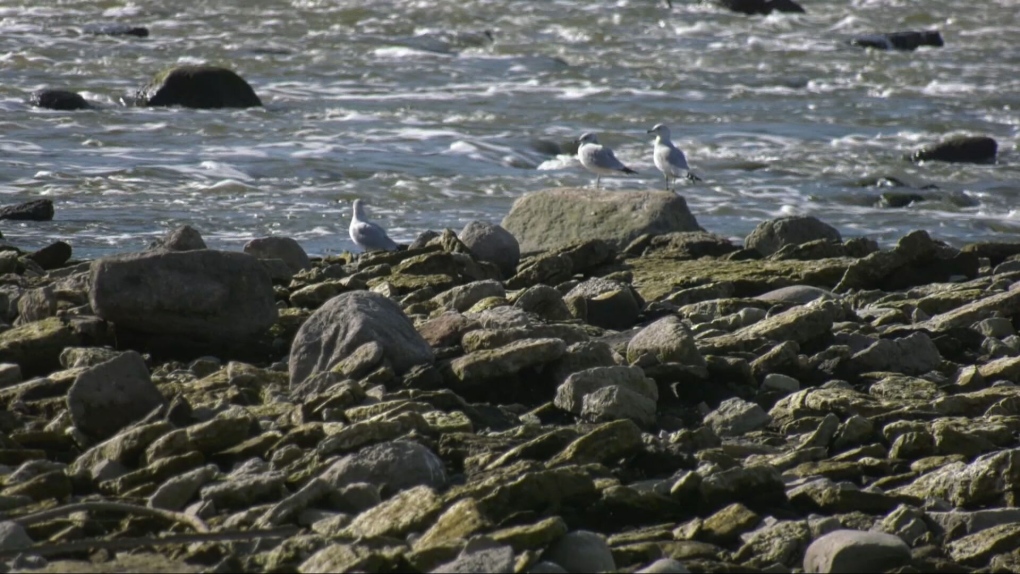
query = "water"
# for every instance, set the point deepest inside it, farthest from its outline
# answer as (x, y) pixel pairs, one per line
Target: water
(404, 104)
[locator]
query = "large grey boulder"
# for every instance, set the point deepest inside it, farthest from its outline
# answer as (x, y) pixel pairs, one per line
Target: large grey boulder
(349, 321)
(771, 236)
(202, 295)
(392, 466)
(559, 217)
(111, 395)
(284, 248)
(494, 244)
(856, 551)
(198, 87)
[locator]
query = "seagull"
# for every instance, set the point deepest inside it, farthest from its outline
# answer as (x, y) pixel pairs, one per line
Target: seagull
(597, 158)
(670, 159)
(367, 235)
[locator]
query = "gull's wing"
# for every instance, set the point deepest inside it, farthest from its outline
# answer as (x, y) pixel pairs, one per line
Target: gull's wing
(371, 236)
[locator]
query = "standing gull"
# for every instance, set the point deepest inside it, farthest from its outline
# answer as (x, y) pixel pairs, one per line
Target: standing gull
(367, 235)
(598, 159)
(670, 159)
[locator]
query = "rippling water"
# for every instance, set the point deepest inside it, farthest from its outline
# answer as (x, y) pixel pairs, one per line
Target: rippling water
(406, 104)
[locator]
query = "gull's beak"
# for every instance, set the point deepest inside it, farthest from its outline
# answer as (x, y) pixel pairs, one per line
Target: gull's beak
(650, 132)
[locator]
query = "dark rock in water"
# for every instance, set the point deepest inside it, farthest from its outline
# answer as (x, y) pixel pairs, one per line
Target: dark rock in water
(110, 396)
(52, 256)
(909, 40)
(762, 7)
(63, 100)
(199, 87)
(115, 29)
(35, 210)
(960, 149)
(900, 199)
(770, 236)
(193, 296)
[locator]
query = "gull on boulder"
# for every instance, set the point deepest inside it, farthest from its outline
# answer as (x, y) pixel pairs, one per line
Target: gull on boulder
(598, 159)
(670, 159)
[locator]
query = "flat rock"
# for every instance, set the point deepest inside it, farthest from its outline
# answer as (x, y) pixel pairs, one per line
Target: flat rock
(736, 417)
(912, 355)
(856, 551)
(345, 323)
(559, 217)
(480, 366)
(110, 396)
(396, 466)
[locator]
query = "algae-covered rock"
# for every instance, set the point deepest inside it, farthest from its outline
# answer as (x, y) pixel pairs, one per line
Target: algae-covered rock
(558, 217)
(199, 87)
(109, 396)
(408, 511)
(36, 346)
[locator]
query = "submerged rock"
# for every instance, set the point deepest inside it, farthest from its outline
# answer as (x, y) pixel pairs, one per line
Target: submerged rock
(908, 40)
(63, 100)
(199, 87)
(35, 210)
(960, 149)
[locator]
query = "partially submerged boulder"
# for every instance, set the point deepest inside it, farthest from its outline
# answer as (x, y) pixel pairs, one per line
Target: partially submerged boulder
(63, 100)
(960, 149)
(199, 87)
(909, 40)
(559, 217)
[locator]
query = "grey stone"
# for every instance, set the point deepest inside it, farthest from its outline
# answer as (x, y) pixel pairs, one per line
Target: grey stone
(245, 491)
(480, 366)
(581, 551)
(779, 382)
(394, 466)
(906, 522)
(615, 402)
(110, 396)
(183, 238)
(492, 243)
(668, 340)
(178, 491)
(856, 551)
(736, 416)
(664, 566)
(977, 549)
(559, 217)
(13, 536)
(202, 295)
(348, 321)
(37, 304)
(480, 555)
(609, 304)
(570, 395)
(795, 294)
(463, 297)
(284, 248)
(912, 355)
(770, 236)
(544, 301)
(10, 374)
(998, 327)
(974, 521)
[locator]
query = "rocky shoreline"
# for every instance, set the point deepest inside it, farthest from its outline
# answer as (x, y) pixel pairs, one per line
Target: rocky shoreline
(632, 393)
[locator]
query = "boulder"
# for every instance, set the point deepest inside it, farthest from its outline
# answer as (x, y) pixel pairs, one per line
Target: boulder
(668, 340)
(760, 7)
(960, 149)
(856, 551)
(35, 210)
(53, 256)
(284, 248)
(909, 40)
(581, 551)
(735, 417)
(494, 244)
(110, 396)
(771, 236)
(63, 100)
(560, 217)
(199, 87)
(115, 29)
(391, 466)
(183, 238)
(571, 394)
(917, 259)
(196, 296)
(348, 321)
(609, 304)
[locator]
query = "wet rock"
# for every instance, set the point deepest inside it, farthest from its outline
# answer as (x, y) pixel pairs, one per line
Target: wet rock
(62, 100)
(668, 340)
(609, 304)
(110, 396)
(581, 551)
(494, 244)
(198, 87)
(35, 210)
(571, 394)
(558, 217)
(283, 248)
(183, 238)
(395, 466)
(193, 296)
(115, 29)
(760, 7)
(53, 256)
(770, 236)
(960, 149)
(856, 551)
(908, 40)
(345, 323)
(736, 417)
(480, 366)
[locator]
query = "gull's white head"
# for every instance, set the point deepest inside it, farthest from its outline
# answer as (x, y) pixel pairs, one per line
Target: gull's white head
(586, 138)
(359, 209)
(660, 130)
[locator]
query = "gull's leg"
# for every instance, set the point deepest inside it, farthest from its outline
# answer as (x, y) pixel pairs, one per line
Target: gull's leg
(597, 178)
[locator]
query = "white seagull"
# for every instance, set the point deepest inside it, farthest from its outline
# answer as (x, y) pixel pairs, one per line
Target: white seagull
(598, 159)
(670, 159)
(367, 235)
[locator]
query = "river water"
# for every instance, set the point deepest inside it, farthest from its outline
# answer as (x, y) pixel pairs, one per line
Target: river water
(407, 105)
